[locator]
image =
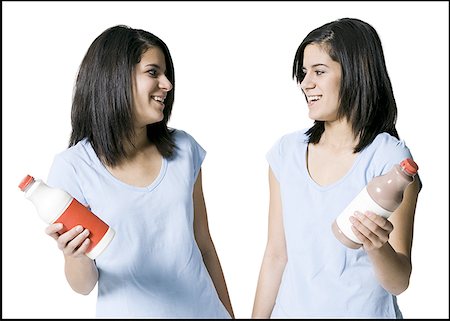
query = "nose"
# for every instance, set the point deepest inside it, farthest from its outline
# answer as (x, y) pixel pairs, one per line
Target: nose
(164, 83)
(307, 82)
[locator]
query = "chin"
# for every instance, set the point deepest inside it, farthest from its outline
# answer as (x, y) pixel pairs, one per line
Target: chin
(315, 117)
(158, 116)
(154, 120)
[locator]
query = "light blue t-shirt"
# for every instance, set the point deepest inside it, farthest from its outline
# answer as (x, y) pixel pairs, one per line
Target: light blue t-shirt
(324, 278)
(153, 266)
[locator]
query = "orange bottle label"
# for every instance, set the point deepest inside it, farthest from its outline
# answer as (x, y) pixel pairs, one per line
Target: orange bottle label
(78, 214)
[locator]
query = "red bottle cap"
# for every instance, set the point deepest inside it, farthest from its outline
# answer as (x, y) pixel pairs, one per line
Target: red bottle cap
(25, 182)
(409, 166)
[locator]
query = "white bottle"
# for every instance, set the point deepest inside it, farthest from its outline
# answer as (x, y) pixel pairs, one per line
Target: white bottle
(57, 206)
(382, 195)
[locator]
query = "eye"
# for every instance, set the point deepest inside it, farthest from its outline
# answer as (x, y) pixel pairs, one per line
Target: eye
(153, 72)
(319, 72)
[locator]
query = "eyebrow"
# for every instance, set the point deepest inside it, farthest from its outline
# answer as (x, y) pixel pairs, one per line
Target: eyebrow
(317, 65)
(153, 65)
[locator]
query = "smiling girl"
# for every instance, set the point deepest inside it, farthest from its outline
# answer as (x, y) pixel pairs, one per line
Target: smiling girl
(144, 180)
(313, 175)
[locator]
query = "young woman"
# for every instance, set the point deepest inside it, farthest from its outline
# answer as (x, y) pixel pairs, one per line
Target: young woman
(314, 174)
(141, 178)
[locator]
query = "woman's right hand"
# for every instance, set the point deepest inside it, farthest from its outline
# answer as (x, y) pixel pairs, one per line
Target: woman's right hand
(81, 272)
(72, 243)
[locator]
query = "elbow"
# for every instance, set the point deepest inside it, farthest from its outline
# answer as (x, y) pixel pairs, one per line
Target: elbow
(83, 288)
(282, 259)
(401, 282)
(398, 291)
(399, 288)
(207, 251)
(85, 291)
(277, 258)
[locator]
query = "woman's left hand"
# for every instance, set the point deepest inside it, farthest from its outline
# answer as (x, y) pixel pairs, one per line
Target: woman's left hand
(371, 229)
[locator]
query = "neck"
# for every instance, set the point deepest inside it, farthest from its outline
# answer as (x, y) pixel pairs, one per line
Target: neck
(339, 135)
(138, 143)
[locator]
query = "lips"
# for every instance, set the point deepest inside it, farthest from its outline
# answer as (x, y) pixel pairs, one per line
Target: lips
(159, 99)
(313, 98)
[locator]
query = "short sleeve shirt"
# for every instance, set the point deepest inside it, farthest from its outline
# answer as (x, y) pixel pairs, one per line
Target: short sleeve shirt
(322, 277)
(153, 266)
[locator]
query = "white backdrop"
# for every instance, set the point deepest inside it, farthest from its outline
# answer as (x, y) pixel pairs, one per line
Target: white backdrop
(235, 95)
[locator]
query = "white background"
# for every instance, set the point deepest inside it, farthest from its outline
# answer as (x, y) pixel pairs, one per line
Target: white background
(235, 95)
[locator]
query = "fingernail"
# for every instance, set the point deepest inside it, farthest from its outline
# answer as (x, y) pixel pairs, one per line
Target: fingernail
(79, 228)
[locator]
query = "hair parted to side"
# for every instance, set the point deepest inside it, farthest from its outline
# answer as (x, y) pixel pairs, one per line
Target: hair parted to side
(366, 95)
(102, 106)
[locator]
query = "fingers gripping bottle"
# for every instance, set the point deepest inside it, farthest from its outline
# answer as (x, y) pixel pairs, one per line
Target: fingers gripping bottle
(56, 206)
(382, 195)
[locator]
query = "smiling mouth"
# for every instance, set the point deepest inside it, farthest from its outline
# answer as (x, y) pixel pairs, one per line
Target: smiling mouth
(159, 99)
(313, 98)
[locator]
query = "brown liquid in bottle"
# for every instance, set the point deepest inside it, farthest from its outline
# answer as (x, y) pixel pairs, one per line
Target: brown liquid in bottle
(387, 190)
(382, 195)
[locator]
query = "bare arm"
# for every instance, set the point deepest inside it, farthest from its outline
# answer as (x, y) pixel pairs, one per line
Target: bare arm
(206, 245)
(389, 243)
(275, 256)
(81, 272)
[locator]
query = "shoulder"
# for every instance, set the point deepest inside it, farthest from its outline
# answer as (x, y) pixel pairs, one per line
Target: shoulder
(82, 151)
(298, 136)
(188, 151)
(72, 168)
(186, 143)
(74, 160)
(291, 140)
(385, 140)
(282, 150)
(182, 137)
(385, 145)
(387, 150)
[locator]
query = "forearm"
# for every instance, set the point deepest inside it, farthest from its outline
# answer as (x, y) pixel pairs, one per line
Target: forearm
(214, 268)
(268, 285)
(392, 269)
(81, 274)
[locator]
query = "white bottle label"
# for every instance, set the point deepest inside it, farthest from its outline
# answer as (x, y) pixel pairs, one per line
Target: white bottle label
(361, 203)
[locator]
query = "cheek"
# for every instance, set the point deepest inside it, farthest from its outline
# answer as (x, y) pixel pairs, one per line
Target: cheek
(337, 89)
(337, 85)
(145, 86)
(141, 89)
(334, 89)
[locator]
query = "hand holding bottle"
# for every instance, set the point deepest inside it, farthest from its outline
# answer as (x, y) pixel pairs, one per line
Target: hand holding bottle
(382, 195)
(81, 272)
(371, 229)
(75, 242)
(57, 206)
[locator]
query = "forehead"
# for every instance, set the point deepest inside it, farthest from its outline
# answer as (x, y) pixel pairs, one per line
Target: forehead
(315, 54)
(153, 55)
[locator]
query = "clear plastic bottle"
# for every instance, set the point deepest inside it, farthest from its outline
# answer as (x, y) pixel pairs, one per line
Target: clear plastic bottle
(56, 206)
(382, 195)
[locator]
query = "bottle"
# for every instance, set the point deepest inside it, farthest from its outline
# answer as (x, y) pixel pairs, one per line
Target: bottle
(382, 195)
(56, 206)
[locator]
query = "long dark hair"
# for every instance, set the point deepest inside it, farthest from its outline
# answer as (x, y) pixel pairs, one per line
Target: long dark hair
(365, 95)
(102, 106)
